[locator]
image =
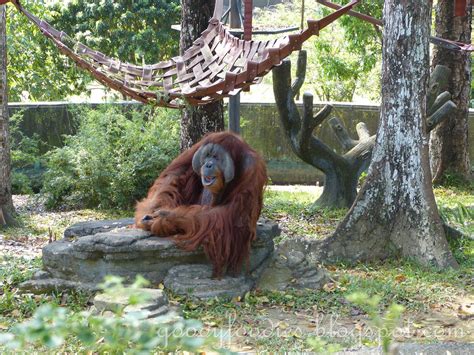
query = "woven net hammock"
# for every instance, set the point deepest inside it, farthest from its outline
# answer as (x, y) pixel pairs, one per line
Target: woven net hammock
(217, 65)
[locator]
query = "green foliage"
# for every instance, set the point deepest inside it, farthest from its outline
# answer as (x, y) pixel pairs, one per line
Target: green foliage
(342, 59)
(52, 327)
(13, 271)
(386, 323)
(133, 31)
(136, 31)
(27, 160)
(36, 66)
(113, 159)
(321, 346)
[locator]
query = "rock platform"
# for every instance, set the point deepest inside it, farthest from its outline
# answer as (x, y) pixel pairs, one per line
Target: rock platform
(91, 250)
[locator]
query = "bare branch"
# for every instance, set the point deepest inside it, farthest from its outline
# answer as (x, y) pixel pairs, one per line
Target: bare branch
(441, 114)
(440, 101)
(300, 73)
(362, 131)
(341, 134)
(439, 80)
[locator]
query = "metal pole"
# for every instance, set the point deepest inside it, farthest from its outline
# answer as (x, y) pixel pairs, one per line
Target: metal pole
(234, 101)
(234, 113)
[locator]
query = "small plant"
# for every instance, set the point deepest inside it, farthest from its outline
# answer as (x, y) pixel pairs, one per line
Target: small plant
(385, 324)
(113, 159)
(52, 327)
(461, 217)
(321, 346)
(27, 158)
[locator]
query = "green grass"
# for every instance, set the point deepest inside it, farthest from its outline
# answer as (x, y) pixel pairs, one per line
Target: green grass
(297, 215)
(15, 305)
(450, 196)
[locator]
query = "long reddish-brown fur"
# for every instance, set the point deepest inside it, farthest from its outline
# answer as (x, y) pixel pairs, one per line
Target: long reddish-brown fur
(224, 231)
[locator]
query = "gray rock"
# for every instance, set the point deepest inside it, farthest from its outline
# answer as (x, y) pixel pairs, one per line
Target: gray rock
(41, 275)
(196, 281)
(54, 284)
(155, 306)
(291, 267)
(155, 300)
(93, 227)
(127, 252)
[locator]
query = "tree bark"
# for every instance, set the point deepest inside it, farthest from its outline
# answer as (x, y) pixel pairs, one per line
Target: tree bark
(395, 212)
(449, 141)
(7, 212)
(196, 121)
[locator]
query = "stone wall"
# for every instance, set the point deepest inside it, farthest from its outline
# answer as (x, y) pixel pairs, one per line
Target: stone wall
(260, 127)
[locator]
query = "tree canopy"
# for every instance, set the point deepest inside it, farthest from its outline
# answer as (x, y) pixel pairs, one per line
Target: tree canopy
(135, 31)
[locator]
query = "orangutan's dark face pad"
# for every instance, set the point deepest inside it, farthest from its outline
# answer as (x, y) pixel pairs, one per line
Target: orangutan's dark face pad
(215, 166)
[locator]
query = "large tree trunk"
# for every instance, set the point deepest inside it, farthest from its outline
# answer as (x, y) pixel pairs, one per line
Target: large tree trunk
(449, 141)
(197, 121)
(395, 212)
(6, 204)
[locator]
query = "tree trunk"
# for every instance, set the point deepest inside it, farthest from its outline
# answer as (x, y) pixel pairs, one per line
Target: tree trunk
(395, 212)
(199, 120)
(7, 211)
(449, 141)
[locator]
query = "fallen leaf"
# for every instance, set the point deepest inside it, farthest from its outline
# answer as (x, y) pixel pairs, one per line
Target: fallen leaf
(329, 287)
(400, 278)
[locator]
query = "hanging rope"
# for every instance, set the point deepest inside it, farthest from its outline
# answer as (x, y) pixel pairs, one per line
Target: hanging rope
(217, 65)
(248, 20)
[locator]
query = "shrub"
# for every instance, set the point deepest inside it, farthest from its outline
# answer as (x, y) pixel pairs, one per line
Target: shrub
(113, 159)
(27, 159)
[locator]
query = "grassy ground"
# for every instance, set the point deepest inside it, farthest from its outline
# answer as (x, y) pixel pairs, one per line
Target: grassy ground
(439, 303)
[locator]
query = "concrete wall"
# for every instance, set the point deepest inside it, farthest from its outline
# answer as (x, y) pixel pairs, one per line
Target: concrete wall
(260, 127)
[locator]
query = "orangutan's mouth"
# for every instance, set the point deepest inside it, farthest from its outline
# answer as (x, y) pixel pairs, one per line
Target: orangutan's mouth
(208, 180)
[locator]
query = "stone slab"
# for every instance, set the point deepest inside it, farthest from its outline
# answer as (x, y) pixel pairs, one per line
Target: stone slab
(93, 227)
(196, 281)
(127, 252)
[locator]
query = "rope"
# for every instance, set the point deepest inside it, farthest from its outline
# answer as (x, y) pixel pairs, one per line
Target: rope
(248, 20)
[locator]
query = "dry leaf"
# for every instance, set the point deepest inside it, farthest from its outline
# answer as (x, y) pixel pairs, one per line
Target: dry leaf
(400, 278)
(329, 287)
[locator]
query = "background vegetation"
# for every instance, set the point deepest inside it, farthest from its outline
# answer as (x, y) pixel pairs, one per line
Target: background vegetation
(113, 159)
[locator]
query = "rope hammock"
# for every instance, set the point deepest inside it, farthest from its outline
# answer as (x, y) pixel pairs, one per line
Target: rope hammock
(217, 65)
